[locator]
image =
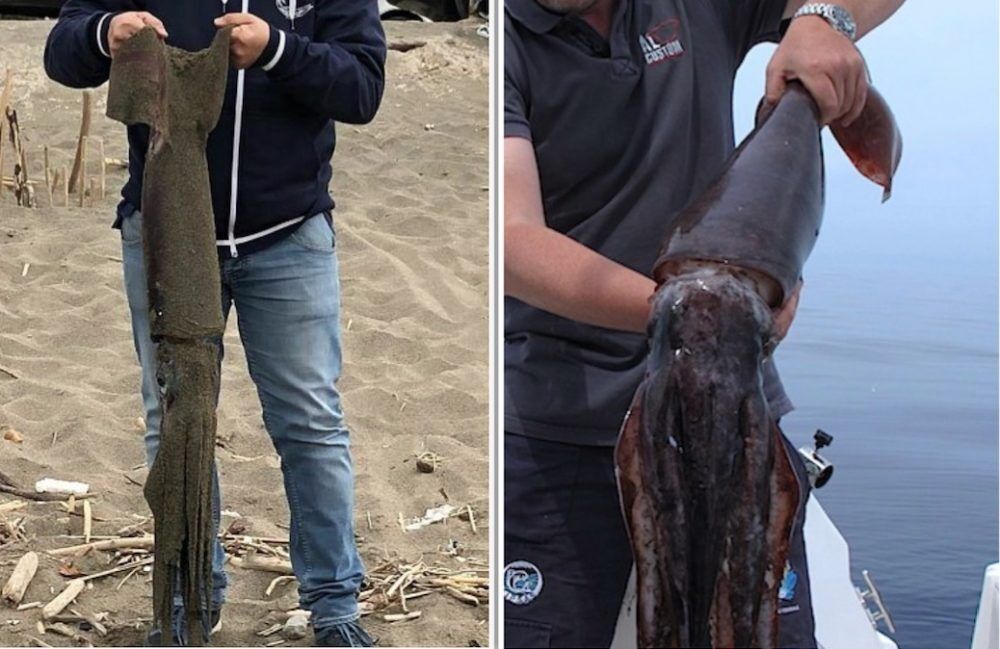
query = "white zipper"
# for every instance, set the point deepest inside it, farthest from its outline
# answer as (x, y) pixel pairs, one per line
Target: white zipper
(237, 128)
(291, 12)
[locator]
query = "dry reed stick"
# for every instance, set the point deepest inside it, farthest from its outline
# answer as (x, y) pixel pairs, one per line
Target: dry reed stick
(78, 161)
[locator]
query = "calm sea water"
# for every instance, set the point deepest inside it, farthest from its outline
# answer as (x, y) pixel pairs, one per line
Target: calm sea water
(894, 351)
(899, 363)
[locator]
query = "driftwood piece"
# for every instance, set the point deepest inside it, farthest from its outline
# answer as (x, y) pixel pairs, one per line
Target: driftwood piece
(12, 505)
(31, 495)
(78, 160)
(264, 564)
(179, 95)
(133, 565)
(63, 599)
(138, 542)
(24, 572)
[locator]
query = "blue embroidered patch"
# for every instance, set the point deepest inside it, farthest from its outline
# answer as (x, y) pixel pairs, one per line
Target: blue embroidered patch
(522, 582)
(786, 591)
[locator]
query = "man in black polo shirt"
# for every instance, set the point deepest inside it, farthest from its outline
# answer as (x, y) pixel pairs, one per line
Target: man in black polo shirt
(616, 114)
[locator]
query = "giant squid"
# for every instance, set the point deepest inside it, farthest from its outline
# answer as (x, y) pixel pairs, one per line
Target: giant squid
(707, 490)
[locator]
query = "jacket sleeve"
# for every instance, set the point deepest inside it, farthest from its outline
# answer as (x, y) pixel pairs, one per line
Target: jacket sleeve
(341, 71)
(76, 51)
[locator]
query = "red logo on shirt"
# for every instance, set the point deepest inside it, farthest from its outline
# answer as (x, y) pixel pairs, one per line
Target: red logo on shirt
(662, 42)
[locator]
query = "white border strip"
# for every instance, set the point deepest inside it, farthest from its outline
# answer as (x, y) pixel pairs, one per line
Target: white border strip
(277, 55)
(262, 233)
(100, 28)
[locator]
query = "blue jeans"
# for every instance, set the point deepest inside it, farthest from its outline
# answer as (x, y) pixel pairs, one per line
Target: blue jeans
(287, 300)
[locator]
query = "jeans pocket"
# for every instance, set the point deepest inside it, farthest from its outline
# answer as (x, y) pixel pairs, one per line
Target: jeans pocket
(315, 234)
(132, 229)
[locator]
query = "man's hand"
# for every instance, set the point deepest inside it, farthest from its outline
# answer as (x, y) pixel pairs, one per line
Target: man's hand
(126, 25)
(250, 36)
(828, 65)
(784, 314)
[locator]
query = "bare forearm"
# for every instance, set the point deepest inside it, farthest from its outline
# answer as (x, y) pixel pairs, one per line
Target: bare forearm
(553, 272)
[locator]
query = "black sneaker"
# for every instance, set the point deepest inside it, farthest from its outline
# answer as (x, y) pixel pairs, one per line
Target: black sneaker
(155, 636)
(348, 634)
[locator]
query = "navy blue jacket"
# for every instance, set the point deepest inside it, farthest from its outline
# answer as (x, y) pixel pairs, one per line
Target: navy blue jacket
(269, 155)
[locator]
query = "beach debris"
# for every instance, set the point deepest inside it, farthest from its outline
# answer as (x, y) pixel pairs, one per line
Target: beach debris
(29, 606)
(48, 173)
(53, 486)
(277, 581)
(63, 599)
(82, 178)
(12, 505)
(8, 84)
(11, 530)
(296, 626)
(431, 516)
(36, 642)
(121, 543)
(462, 596)
(23, 193)
(79, 159)
(401, 617)
(393, 583)
(68, 569)
(264, 564)
(85, 619)
(103, 167)
(88, 521)
(24, 572)
(12, 435)
(271, 630)
(468, 514)
(427, 462)
(237, 527)
(141, 564)
(127, 577)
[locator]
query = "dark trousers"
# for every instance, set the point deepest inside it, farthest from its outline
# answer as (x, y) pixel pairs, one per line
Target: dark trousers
(567, 554)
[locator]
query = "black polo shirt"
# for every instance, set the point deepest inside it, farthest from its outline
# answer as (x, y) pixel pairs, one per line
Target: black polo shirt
(626, 132)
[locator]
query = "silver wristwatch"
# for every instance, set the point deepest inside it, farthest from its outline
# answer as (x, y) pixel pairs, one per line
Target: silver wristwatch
(838, 17)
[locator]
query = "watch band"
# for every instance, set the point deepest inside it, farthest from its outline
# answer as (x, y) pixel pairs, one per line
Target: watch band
(838, 17)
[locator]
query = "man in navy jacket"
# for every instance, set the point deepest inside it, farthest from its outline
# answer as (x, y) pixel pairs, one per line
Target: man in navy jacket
(299, 67)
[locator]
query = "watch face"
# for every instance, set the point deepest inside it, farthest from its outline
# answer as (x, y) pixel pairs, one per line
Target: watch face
(843, 20)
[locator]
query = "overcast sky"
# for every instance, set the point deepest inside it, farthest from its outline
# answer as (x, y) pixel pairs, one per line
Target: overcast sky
(937, 67)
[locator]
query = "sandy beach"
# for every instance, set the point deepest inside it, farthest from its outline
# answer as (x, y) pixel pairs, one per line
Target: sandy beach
(412, 219)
